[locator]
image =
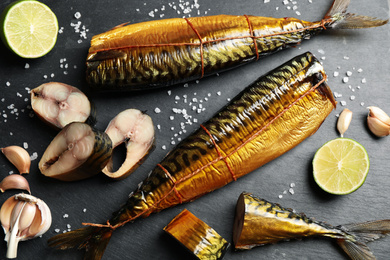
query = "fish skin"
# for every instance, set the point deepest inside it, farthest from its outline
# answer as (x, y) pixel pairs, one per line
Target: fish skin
(198, 237)
(269, 223)
(152, 54)
(268, 118)
(124, 58)
(258, 222)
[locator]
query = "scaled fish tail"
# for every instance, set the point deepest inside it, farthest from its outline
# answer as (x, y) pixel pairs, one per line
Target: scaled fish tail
(93, 239)
(355, 246)
(337, 17)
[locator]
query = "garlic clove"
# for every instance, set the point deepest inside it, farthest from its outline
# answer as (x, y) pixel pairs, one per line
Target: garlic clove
(378, 122)
(344, 121)
(379, 113)
(27, 215)
(42, 220)
(14, 181)
(23, 217)
(19, 157)
(5, 213)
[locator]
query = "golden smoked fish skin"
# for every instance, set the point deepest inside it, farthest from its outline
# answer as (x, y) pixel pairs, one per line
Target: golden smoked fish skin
(258, 222)
(268, 118)
(171, 51)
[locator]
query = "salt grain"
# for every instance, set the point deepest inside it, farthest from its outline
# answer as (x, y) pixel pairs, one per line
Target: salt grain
(157, 110)
(34, 156)
(77, 15)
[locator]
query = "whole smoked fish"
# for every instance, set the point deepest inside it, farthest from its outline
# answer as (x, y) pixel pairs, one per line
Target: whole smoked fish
(258, 222)
(171, 51)
(267, 119)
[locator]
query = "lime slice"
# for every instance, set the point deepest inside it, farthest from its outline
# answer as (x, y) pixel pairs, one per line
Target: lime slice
(29, 28)
(341, 166)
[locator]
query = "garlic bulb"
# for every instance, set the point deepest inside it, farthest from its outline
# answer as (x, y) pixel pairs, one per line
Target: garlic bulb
(344, 121)
(23, 217)
(19, 157)
(378, 122)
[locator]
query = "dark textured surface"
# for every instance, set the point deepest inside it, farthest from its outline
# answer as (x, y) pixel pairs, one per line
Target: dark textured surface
(340, 51)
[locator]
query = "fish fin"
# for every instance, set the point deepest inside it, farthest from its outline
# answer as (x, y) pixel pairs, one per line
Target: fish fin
(369, 231)
(105, 55)
(356, 250)
(93, 239)
(337, 17)
(354, 243)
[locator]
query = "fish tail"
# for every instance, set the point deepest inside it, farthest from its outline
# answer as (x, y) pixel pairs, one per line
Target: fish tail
(337, 17)
(354, 244)
(91, 238)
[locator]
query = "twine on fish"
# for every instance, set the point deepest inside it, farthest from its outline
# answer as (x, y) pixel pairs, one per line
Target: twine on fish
(108, 225)
(174, 182)
(224, 158)
(201, 45)
(252, 36)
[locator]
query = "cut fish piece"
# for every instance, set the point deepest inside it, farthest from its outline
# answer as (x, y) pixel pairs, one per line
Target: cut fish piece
(76, 153)
(136, 130)
(59, 104)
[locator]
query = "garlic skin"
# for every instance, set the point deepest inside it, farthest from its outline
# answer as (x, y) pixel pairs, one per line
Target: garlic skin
(344, 121)
(19, 157)
(14, 181)
(378, 122)
(23, 217)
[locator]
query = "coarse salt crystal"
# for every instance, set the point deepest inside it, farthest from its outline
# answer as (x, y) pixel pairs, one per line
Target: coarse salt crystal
(157, 110)
(34, 156)
(77, 15)
(349, 73)
(364, 80)
(27, 66)
(335, 74)
(345, 79)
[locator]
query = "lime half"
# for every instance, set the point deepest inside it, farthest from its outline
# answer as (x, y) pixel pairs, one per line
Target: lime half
(341, 166)
(29, 28)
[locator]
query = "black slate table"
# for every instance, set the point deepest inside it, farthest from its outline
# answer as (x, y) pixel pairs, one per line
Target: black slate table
(287, 180)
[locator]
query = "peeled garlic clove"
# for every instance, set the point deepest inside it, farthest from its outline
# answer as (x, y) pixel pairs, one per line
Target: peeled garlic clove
(19, 157)
(378, 122)
(14, 181)
(59, 104)
(136, 130)
(344, 121)
(77, 152)
(23, 217)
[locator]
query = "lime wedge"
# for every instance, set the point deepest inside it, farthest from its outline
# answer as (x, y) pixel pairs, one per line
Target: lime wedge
(29, 28)
(341, 166)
